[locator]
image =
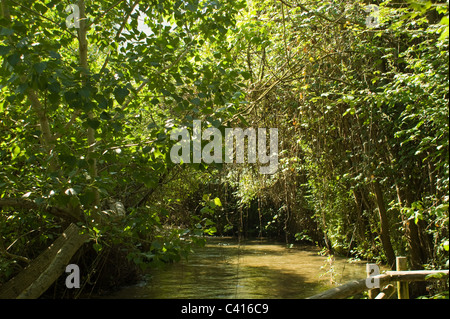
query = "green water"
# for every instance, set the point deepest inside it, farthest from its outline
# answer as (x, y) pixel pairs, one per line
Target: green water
(252, 269)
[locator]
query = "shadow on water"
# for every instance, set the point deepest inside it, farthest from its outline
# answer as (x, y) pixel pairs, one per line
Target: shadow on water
(254, 269)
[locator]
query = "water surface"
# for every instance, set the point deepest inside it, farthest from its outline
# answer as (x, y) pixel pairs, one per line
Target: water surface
(253, 269)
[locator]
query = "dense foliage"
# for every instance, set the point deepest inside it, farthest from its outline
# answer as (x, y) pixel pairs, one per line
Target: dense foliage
(361, 110)
(86, 117)
(363, 119)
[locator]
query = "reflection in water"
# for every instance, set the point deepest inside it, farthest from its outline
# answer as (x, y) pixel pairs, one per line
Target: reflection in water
(254, 269)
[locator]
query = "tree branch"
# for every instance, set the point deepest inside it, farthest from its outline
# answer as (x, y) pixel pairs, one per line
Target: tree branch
(48, 138)
(75, 115)
(5, 11)
(105, 63)
(23, 203)
(106, 12)
(286, 4)
(37, 14)
(34, 12)
(119, 32)
(10, 255)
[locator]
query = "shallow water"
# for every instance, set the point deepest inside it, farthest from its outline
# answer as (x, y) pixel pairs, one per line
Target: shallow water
(253, 269)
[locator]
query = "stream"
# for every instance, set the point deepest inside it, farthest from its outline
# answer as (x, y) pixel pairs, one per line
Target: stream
(254, 269)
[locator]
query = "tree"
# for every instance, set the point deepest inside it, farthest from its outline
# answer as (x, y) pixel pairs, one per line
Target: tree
(87, 111)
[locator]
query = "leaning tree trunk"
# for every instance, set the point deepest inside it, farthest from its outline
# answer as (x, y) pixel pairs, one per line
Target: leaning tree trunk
(42, 272)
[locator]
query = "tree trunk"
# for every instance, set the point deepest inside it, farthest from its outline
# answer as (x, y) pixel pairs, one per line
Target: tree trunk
(384, 231)
(419, 252)
(359, 209)
(417, 255)
(5, 11)
(83, 53)
(47, 136)
(36, 278)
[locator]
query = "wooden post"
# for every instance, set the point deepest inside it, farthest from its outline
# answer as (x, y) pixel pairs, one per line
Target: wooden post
(402, 286)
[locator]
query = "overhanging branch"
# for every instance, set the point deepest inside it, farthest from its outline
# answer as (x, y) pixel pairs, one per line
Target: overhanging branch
(23, 203)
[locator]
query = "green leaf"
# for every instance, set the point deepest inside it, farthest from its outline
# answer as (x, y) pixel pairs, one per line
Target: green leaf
(40, 67)
(97, 247)
(217, 202)
(54, 55)
(40, 7)
(243, 120)
(4, 50)
(444, 21)
(73, 99)
(85, 91)
(437, 276)
(246, 75)
(87, 198)
(156, 245)
(13, 59)
(93, 123)
(196, 101)
(6, 31)
(210, 231)
(444, 34)
(191, 7)
(105, 116)
(68, 159)
(16, 150)
(206, 210)
(445, 245)
(120, 94)
(54, 87)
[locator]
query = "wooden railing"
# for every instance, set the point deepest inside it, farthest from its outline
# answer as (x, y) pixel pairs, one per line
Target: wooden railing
(401, 276)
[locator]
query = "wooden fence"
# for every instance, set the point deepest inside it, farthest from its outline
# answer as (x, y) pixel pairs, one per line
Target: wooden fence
(401, 276)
